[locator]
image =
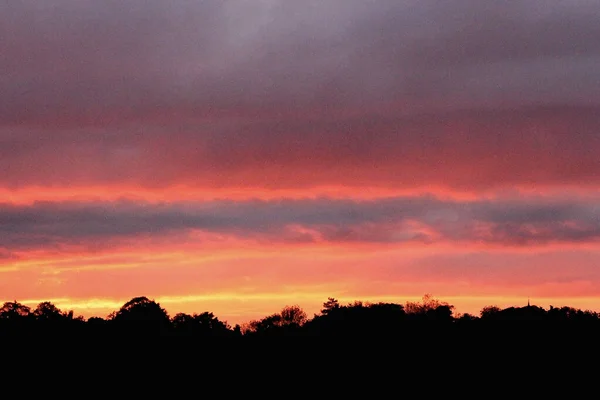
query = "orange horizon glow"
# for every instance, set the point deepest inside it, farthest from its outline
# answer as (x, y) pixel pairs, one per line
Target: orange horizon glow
(239, 279)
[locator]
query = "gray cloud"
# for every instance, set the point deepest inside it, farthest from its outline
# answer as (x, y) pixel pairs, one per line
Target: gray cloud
(394, 220)
(88, 58)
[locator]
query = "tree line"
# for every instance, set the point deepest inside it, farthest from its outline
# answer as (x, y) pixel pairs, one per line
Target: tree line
(142, 316)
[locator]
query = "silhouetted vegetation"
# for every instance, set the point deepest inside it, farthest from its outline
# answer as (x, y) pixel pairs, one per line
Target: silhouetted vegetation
(144, 317)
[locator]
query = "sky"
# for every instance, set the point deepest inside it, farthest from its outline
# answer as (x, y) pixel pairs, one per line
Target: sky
(238, 156)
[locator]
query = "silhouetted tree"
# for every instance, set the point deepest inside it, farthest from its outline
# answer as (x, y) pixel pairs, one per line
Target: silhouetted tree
(14, 310)
(288, 321)
(142, 315)
(466, 317)
(488, 312)
(16, 318)
(205, 324)
(565, 315)
(265, 325)
(430, 310)
(293, 315)
(329, 305)
(47, 311)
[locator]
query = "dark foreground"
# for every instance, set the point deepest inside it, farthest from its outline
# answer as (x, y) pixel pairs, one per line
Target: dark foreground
(358, 350)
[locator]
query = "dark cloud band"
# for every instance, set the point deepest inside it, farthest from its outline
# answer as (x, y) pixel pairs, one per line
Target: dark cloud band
(395, 220)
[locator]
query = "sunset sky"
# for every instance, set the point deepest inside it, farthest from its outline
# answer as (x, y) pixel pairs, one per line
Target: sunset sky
(237, 156)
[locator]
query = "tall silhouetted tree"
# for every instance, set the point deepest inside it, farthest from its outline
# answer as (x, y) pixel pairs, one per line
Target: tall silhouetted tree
(330, 305)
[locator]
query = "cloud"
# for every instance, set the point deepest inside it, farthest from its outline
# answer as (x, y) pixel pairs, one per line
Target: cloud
(283, 94)
(461, 150)
(75, 58)
(420, 220)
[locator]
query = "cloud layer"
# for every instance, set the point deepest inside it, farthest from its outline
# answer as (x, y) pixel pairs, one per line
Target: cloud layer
(224, 94)
(65, 57)
(421, 220)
